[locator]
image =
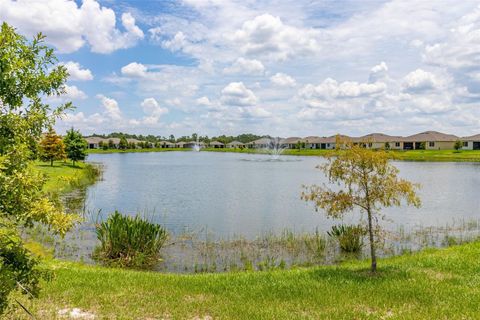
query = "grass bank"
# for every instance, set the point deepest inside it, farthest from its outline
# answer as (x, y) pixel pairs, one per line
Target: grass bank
(93, 151)
(410, 155)
(432, 284)
(64, 177)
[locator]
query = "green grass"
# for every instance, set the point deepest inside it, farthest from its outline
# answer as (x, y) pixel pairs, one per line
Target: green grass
(92, 151)
(433, 284)
(411, 155)
(64, 176)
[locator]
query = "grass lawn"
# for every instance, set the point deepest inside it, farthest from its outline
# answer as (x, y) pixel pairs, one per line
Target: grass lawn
(136, 150)
(64, 176)
(433, 284)
(411, 155)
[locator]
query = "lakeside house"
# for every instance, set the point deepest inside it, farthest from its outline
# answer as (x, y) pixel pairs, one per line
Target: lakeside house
(97, 142)
(291, 142)
(429, 140)
(235, 144)
(216, 145)
(471, 142)
(166, 144)
(261, 143)
(379, 141)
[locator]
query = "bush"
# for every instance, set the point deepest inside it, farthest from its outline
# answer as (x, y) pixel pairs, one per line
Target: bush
(350, 237)
(130, 242)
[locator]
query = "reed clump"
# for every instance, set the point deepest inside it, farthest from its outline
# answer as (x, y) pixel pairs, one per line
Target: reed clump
(130, 242)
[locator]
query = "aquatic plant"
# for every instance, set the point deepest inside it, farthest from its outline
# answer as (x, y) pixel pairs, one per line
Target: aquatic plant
(129, 241)
(350, 237)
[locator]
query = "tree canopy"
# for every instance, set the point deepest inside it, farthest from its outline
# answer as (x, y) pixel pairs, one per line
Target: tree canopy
(75, 145)
(28, 73)
(366, 181)
(52, 147)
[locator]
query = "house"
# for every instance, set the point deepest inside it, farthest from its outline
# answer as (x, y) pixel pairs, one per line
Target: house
(261, 143)
(216, 144)
(94, 142)
(165, 144)
(379, 141)
(291, 143)
(235, 144)
(430, 140)
(471, 142)
(190, 144)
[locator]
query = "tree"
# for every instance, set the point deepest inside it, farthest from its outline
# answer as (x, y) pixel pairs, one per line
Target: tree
(458, 145)
(28, 72)
(123, 144)
(367, 181)
(111, 145)
(52, 147)
(387, 145)
(75, 145)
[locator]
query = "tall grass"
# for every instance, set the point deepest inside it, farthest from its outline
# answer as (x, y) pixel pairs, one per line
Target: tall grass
(130, 242)
(350, 237)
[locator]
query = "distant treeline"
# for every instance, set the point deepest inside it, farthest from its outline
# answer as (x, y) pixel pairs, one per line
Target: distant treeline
(244, 138)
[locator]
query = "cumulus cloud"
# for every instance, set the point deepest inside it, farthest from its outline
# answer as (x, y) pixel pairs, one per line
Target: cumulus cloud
(110, 107)
(283, 80)
(267, 35)
(134, 69)
(420, 80)
(73, 93)
(236, 94)
(151, 106)
(331, 89)
(245, 66)
(69, 27)
(76, 73)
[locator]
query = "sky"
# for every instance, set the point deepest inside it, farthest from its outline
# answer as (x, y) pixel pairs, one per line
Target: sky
(283, 68)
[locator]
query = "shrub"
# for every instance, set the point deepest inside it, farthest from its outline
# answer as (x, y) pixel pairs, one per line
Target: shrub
(350, 237)
(130, 242)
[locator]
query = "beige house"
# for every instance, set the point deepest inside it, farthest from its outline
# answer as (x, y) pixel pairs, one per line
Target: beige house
(380, 141)
(430, 140)
(166, 144)
(94, 142)
(216, 145)
(261, 143)
(235, 144)
(471, 142)
(291, 142)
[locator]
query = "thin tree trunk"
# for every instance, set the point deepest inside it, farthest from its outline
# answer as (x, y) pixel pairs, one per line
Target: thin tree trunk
(51, 162)
(372, 243)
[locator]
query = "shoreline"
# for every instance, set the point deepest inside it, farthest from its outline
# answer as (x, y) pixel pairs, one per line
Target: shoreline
(410, 155)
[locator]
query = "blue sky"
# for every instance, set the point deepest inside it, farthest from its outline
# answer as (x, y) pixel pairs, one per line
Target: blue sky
(289, 68)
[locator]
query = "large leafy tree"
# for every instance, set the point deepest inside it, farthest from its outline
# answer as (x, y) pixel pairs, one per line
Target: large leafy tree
(75, 145)
(28, 72)
(52, 147)
(365, 180)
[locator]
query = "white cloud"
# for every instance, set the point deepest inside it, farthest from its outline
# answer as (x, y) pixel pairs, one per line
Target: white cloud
(76, 73)
(283, 80)
(331, 89)
(150, 106)
(110, 107)
(420, 80)
(266, 35)
(134, 69)
(73, 93)
(174, 44)
(236, 94)
(69, 27)
(245, 66)
(203, 101)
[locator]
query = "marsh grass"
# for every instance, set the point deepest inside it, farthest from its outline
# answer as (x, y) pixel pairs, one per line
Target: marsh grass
(131, 242)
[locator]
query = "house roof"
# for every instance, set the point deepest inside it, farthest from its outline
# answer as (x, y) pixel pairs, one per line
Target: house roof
(216, 143)
(377, 137)
(261, 141)
(471, 138)
(93, 140)
(292, 140)
(164, 142)
(236, 143)
(430, 136)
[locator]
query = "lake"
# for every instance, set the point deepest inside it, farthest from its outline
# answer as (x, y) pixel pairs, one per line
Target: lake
(243, 194)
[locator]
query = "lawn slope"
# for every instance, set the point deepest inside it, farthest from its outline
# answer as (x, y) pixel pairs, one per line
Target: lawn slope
(433, 284)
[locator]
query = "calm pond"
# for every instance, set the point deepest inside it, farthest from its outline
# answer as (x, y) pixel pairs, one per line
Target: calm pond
(240, 194)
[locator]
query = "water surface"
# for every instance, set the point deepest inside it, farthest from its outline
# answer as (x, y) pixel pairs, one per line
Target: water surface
(244, 194)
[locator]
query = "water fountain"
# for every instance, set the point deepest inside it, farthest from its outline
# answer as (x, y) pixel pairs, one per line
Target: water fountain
(275, 148)
(196, 146)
